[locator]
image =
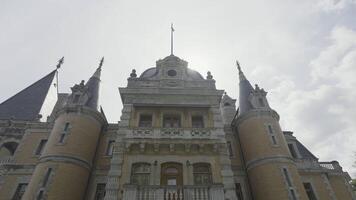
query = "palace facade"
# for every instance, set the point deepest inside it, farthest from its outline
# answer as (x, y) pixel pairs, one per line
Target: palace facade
(179, 137)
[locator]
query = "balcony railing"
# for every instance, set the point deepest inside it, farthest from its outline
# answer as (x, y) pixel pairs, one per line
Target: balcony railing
(188, 133)
(332, 166)
(6, 160)
(155, 192)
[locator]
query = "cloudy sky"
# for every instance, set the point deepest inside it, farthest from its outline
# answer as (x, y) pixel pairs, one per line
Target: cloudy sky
(302, 52)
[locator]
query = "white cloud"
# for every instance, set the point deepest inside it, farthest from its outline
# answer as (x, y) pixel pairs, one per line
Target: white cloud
(324, 114)
(334, 5)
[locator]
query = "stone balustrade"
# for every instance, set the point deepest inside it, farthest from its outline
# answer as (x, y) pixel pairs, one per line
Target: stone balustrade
(6, 160)
(182, 133)
(305, 164)
(333, 166)
(188, 192)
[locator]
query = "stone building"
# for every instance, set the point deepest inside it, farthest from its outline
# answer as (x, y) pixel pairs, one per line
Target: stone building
(178, 138)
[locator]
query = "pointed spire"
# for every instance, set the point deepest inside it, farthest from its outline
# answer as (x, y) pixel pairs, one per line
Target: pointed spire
(245, 90)
(93, 85)
(241, 74)
(98, 70)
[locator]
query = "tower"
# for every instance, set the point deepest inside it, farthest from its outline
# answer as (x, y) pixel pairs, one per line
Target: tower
(271, 171)
(65, 164)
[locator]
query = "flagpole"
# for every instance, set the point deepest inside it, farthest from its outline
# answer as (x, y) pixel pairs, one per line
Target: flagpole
(172, 39)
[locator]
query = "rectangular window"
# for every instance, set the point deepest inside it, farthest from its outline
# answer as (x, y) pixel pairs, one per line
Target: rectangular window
(274, 141)
(270, 130)
(291, 189)
(171, 121)
(230, 149)
(100, 191)
(46, 178)
(66, 127)
(272, 134)
(40, 147)
(292, 150)
(110, 148)
(239, 191)
(197, 122)
(310, 192)
(20, 190)
(40, 195)
(145, 121)
(62, 137)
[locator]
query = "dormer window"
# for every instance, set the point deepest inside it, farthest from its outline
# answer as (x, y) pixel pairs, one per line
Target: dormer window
(260, 101)
(145, 121)
(197, 121)
(76, 98)
(171, 121)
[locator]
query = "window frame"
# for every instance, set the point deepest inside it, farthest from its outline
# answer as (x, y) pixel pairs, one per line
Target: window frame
(145, 115)
(292, 191)
(110, 148)
(16, 195)
(38, 151)
(272, 134)
(208, 174)
(140, 174)
(201, 121)
(171, 116)
(312, 190)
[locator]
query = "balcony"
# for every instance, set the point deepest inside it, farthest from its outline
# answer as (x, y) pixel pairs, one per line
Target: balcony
(187, 192)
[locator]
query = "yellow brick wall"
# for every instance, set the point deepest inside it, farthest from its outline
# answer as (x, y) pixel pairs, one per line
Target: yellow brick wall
(318, 184)
(81, 140)
(68, 181)
(339, 187)
(25, 153)
(255, 140)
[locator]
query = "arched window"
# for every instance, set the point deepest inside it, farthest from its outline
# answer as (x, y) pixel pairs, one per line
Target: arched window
(140, 173)
(202, 174)
(8, 149)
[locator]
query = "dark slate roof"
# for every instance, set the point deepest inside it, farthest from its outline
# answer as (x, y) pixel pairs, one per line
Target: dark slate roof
(93, 90)
(27, 104)
(304, 152)
(245, 90)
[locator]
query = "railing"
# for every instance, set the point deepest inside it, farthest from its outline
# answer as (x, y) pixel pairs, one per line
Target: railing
(315, 165)
(333, 165)
(154, 192)
(188, 133)
(6, 160)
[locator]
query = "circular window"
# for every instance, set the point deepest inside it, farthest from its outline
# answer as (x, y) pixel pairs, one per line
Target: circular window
(172, 72)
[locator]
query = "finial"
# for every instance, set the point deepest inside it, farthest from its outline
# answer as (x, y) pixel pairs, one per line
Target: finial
(133, 74)
(238, 66)
(60, 62)
(101, 62)
(257, 87)
(209, 76)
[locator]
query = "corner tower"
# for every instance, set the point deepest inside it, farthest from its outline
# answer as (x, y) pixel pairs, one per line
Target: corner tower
(271, 171)
(65, 164)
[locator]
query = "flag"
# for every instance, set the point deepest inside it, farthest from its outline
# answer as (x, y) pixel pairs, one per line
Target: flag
(172, 29)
